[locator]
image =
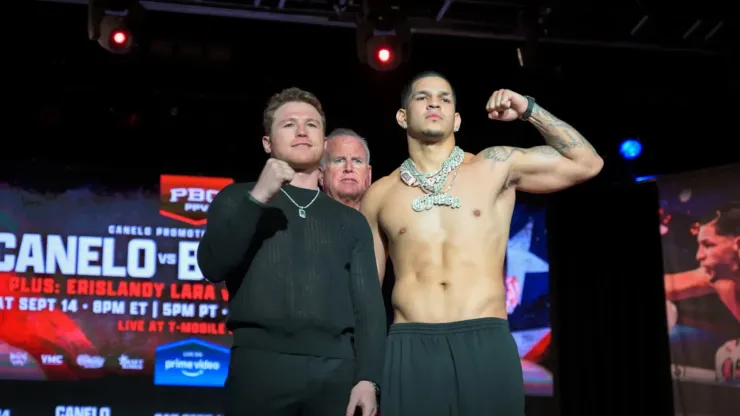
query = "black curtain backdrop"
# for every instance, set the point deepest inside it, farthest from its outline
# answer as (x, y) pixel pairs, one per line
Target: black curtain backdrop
(609, 324)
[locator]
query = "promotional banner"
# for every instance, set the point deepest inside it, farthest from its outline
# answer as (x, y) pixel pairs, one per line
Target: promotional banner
(700, 229)
(97, 283)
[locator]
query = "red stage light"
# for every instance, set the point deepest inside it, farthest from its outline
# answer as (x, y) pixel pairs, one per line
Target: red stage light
(114, 35)
(384, 55)
(119, 37)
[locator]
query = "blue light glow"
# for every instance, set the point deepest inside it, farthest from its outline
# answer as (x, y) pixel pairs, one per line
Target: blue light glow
(630, 149)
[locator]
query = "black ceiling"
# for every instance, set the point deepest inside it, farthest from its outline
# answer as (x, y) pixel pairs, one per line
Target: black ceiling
(705, 25)
(677, 95)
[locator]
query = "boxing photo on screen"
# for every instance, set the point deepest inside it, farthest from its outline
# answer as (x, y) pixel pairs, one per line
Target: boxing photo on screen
(700, 229)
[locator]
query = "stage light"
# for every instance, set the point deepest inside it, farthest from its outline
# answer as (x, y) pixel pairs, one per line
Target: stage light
(113, 29)
(119, 37)
(630, 149)
(114, 36)
(384, 54)
(383, 43)
(645, 178)
(118, 41)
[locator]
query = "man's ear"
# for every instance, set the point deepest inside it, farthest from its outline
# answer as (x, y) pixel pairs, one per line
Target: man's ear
(321, 177)
(369, 174)
(401, 118)
(266, 144)
(458, 121)
(737, 245)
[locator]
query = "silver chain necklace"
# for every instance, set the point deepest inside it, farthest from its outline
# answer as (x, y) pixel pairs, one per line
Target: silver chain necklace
(301, 210)
(432, 183)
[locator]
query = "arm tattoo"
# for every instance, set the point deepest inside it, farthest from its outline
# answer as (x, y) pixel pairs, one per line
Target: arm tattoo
(503, 153)
(558, 134)
(500, 153)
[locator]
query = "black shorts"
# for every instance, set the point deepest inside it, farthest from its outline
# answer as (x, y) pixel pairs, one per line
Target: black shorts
(466, 368)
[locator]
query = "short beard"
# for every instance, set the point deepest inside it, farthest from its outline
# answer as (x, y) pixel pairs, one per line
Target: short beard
(433, 133)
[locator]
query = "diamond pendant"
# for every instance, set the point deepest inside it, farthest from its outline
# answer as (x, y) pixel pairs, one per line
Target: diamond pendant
(301, 212)
(427, 202)
(408, 178)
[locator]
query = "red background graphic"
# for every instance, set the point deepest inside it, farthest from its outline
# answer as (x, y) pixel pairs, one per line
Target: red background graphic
(169, 182)
(45, 332)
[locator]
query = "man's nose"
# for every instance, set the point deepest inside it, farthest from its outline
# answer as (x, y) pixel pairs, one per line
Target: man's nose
(433, 104)
(301, 131)
(700, 255)
(348, 167)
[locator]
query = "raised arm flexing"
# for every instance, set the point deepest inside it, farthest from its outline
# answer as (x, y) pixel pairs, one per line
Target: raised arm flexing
(566, 160)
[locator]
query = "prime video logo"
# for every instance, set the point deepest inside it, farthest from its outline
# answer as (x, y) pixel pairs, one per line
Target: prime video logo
(191, 362)
(192, 368)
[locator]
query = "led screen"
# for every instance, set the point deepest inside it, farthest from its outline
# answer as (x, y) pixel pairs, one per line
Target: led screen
(98, 283)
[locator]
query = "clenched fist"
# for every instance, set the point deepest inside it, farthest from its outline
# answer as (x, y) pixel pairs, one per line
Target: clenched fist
(506, 105)
(273, 176)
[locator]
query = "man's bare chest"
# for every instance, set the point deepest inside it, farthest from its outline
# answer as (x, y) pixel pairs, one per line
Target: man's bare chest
(400, 216)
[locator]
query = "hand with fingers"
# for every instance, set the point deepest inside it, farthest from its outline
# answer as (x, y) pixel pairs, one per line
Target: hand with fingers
(363, 398)
(506, 105)
(274, 175)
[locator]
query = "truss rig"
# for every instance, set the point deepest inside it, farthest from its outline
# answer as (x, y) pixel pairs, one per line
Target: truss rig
(504, 20)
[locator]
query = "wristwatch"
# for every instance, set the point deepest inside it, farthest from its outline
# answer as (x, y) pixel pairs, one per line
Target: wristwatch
(530, 107)
(376, 387)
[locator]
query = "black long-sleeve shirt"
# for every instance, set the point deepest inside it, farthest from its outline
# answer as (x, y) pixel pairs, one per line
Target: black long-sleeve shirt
(297, 285)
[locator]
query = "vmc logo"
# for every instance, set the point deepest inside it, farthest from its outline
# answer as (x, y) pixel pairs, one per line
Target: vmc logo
(52, 359)
(187, 198)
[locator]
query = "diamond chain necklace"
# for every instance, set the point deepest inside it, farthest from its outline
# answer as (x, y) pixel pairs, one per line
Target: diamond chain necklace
(431, 183)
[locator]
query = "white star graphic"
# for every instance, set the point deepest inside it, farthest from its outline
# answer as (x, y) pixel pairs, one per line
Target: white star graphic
(520, 260)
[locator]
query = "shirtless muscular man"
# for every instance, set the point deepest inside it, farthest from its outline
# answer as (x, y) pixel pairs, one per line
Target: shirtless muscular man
(444, 217)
